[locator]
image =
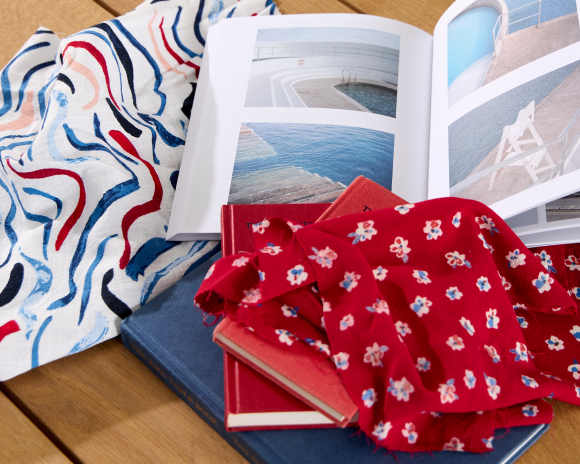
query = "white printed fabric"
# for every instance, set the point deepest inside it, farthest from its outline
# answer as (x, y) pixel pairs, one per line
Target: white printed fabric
(92, 129)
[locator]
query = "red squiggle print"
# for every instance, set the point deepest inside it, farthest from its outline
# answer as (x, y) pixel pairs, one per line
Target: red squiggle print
(173, 53)
(140, 210)
(97, 55)
(9, 328)
(76, 214)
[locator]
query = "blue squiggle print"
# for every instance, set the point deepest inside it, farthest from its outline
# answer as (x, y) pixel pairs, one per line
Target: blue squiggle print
(218, 6)
(43, 283)
(115, 193)
(152, 279)
(27, 77)
(5, 82)
(153, 135)
(198, 18)
(145, 53)
(10, 232)
(89, 277)
(165, 135)
(33, 191)
(35, 345)
(104, 39)
(146, 255)
(176, 36)
(42, 96)
(37, 218)
(56, 124)
(99, 330)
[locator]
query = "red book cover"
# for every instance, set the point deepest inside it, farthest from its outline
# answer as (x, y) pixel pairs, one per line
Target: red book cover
(237, 220)
(247, 390)
(253, 402)
(313, 380)
(361, 195)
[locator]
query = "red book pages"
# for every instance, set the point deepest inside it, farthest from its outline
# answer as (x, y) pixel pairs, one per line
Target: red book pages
(361, 195)
(237, 220)
(253, 402)
(312, 380)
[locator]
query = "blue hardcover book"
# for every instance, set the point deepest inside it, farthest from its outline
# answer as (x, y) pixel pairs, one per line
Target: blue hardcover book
(168, 336)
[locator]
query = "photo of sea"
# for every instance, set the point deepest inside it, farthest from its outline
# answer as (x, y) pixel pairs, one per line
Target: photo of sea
(526, 136)
(307, 163)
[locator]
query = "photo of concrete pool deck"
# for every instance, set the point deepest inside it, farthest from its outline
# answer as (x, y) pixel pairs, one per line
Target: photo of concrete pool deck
(556, 119)
(331, 68)
(491, 38)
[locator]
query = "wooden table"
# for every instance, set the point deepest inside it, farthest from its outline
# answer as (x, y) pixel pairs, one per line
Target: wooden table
(103, 405)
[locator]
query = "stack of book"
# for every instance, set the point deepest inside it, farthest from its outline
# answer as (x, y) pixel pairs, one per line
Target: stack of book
(262, 402)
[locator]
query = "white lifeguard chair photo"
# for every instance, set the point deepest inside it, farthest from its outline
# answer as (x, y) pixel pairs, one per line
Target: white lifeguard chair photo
(512, 137)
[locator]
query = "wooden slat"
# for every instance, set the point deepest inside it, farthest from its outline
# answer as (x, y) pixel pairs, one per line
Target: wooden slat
(423, 14)
(286, 6)
(21, 18)
(21, 441)
(105, 406)
(309, 6)
(560, 443)
(119, 7)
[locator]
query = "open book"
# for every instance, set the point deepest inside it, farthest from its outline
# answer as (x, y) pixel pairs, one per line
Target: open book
(487, 108)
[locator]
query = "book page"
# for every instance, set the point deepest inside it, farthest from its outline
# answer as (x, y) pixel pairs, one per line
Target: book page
(505, 122)
(298, 109)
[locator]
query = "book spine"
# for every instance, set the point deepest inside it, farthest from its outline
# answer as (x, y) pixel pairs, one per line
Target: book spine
(194, 401)
(227, 233)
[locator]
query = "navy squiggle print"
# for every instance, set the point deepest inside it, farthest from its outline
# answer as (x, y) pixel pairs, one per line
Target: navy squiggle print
(89, 276)
(5, 82)
(10, 232)
(145, 53)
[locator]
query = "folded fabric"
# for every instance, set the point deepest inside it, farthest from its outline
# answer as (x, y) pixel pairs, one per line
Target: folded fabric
(442, 325)
(92, 130)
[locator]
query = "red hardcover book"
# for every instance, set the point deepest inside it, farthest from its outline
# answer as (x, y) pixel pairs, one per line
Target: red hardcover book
(237, 220)
(361, 195)
(254, 401)
(313, 380)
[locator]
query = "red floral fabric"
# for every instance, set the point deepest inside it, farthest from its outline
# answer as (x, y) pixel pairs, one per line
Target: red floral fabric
(441, 323)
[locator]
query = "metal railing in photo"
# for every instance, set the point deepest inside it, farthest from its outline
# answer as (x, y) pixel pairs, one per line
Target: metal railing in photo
(271, 53)
(567, 151)
(501, 27)
(349, 74)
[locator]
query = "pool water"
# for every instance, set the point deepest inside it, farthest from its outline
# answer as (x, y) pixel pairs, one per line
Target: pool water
(340, 153)
(469, 38)
(375, 98)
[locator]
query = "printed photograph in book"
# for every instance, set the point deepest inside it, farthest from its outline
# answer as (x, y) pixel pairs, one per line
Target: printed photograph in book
(562, 209)
(325, 67)
(306, 163)
(491, 38)
(526, 136)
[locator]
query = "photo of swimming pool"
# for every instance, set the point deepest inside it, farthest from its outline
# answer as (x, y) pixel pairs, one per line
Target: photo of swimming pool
(287, 163)
(488, 41)
(375, 98)
(301, 67)
(469, 39)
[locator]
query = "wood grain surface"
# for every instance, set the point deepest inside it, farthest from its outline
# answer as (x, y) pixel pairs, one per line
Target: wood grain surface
(104, 405)
(19, 19)
(21, 441)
